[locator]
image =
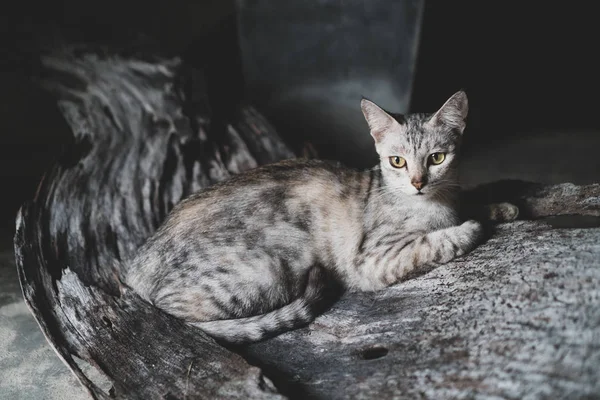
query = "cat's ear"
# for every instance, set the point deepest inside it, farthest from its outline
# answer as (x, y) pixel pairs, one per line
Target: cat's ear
(379, 121)
(453, 113)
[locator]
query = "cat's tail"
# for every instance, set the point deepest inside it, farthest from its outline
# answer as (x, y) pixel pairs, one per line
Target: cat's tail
(319, 294)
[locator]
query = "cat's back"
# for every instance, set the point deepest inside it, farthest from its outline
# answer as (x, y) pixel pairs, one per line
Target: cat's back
(257, 196)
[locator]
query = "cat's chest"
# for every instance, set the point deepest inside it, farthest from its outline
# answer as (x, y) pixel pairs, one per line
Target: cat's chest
(426, 216)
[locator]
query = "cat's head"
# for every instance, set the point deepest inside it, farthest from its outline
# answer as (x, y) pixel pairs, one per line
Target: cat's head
(419, 152)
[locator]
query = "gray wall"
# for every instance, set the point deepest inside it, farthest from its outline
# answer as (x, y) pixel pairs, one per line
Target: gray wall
(307, 64)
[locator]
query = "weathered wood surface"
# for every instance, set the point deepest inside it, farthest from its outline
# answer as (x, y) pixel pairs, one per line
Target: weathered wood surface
(142, 139)
(518, 318)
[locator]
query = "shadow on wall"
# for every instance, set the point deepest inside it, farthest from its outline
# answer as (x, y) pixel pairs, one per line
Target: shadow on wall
(33, 134)
(308, 64)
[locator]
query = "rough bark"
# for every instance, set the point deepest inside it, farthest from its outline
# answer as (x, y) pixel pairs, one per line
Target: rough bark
(143, 138)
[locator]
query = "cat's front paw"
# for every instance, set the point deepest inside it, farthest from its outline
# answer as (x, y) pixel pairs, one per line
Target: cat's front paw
(472, 234)
(473, 227)
(460, 240)
(502, 212)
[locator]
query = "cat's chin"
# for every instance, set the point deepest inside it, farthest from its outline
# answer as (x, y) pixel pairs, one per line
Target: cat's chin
(422, 195)
(417, 195)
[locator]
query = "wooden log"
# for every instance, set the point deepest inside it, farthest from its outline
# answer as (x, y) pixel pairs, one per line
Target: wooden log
(143, 138)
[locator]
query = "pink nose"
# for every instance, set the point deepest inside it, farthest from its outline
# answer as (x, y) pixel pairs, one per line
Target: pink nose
(418, 184)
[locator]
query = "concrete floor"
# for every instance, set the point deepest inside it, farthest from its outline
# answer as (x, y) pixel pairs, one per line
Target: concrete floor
(29, 368)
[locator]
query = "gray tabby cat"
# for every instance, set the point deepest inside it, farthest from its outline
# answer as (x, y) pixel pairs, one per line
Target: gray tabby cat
(255, 255)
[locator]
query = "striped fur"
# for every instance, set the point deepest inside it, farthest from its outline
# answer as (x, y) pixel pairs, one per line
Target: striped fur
(260, 254)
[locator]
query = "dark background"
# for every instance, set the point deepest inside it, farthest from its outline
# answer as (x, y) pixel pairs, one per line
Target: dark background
(529, 68)
(530, 65)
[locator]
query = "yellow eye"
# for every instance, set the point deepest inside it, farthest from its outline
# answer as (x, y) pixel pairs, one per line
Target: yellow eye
(397, 162)
(437, 158)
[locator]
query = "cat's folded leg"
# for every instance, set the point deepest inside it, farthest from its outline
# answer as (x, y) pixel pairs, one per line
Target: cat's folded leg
(501, 212)
(321, 290)
(490, 212)
(436, 247)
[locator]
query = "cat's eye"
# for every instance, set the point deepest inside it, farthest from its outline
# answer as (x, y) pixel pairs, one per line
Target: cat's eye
(437, 158)
(397, 162)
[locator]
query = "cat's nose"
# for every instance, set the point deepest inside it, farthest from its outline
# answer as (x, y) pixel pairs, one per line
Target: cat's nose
(418, 183)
